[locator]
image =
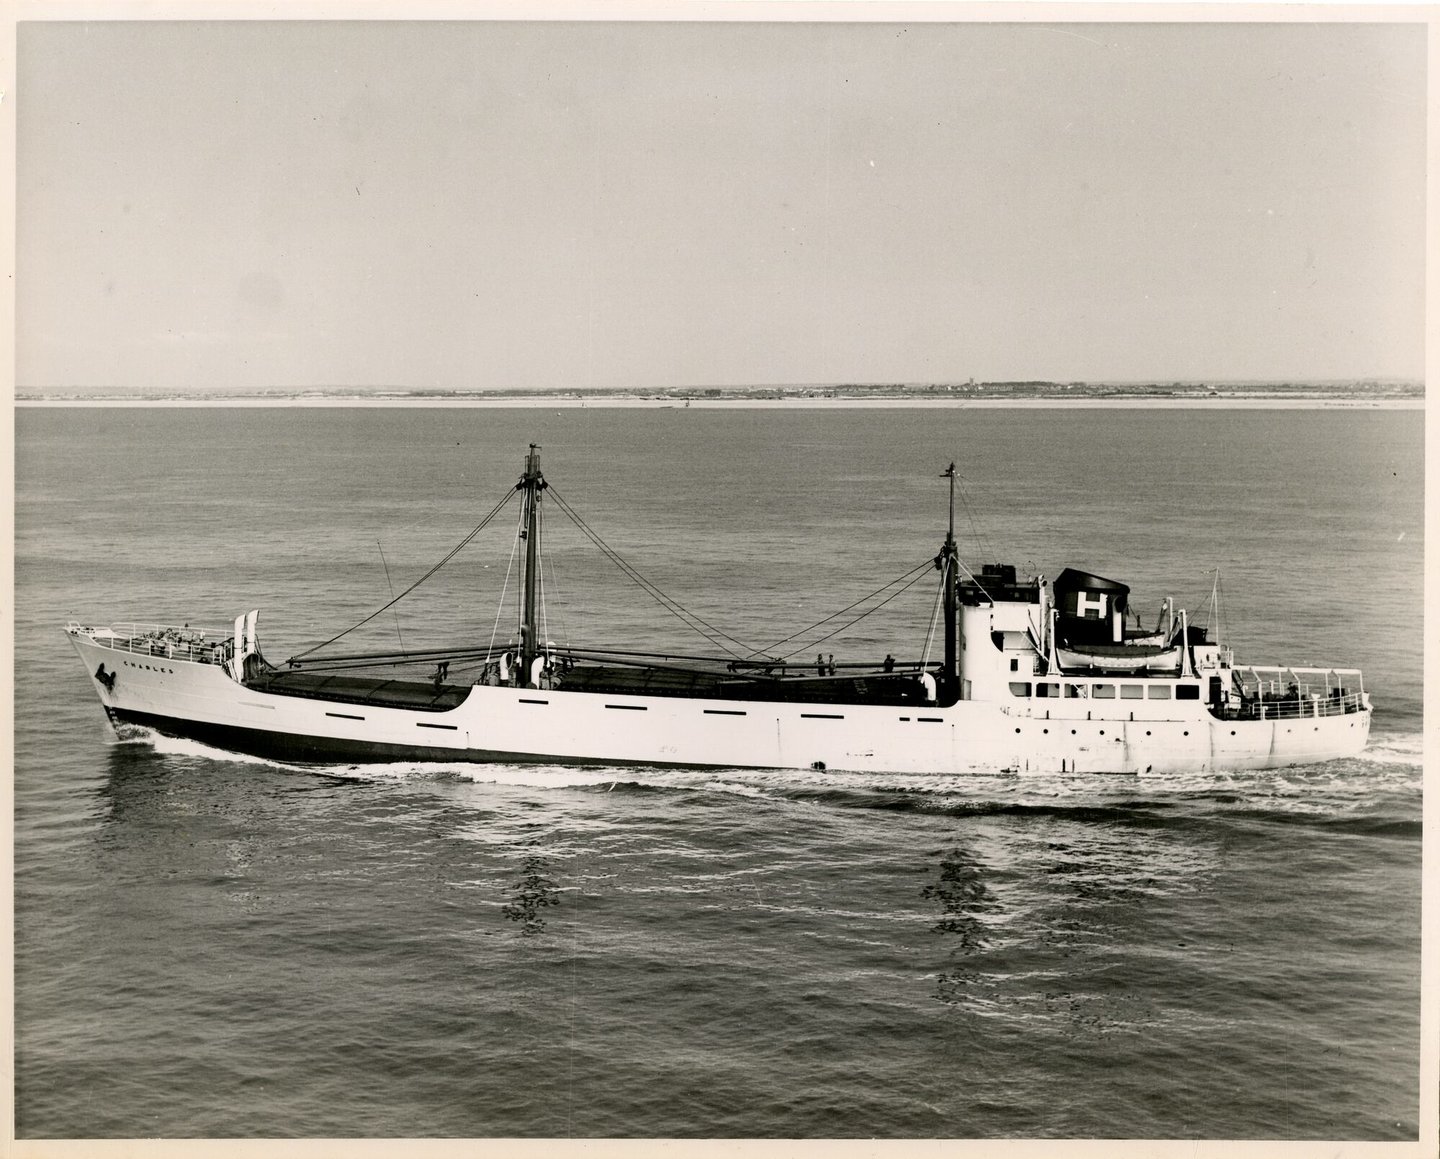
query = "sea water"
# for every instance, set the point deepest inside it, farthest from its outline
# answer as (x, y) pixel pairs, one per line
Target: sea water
(210, 945)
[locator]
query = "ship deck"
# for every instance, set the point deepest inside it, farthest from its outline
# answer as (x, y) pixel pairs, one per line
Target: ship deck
(883, 688)
(387, 692)
(427, 696)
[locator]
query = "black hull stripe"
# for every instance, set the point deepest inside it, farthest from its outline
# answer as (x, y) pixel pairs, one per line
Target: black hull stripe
(297, 748)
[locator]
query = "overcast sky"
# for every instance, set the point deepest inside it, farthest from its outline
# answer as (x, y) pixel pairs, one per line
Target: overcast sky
(234, 205)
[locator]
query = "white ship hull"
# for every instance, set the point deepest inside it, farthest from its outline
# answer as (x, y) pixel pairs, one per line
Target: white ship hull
(183, 697)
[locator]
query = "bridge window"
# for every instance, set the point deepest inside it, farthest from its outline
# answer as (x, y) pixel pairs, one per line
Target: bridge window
(1159, 692)
(1045, 688)
(1187, 692)
(1075, 691)
(1132, 691)
(1019, 688)
(1103, 691)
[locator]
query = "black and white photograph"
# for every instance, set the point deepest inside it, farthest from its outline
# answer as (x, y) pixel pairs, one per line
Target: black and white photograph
(839, 572)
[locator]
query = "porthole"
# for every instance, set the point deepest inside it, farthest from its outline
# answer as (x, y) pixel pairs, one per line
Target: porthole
(1017, 730)
(1102, 732)
(1187, 732)
(1046, 731)
(1147, 732)
(1072, 732)
(1232, 732)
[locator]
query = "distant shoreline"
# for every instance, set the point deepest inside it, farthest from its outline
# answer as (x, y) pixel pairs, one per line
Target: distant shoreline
(602, 402)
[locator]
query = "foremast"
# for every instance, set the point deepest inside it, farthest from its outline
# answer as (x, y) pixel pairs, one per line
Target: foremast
(532, 484)
(948, 561)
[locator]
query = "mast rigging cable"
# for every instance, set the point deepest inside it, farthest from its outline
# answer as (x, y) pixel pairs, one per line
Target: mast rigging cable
(711, 633)
(454, 551)
(695, 623)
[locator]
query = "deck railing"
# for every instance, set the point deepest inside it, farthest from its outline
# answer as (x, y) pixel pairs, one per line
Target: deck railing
(1290, 693)
(1338, 703)
(185, 643)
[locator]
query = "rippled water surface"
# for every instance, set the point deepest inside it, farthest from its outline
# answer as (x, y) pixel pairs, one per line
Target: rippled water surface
(215, 946)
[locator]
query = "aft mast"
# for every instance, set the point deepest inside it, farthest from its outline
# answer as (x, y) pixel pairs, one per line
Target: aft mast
(532, 482)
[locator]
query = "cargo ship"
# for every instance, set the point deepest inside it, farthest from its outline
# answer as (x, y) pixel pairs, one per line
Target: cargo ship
(1026, 676)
